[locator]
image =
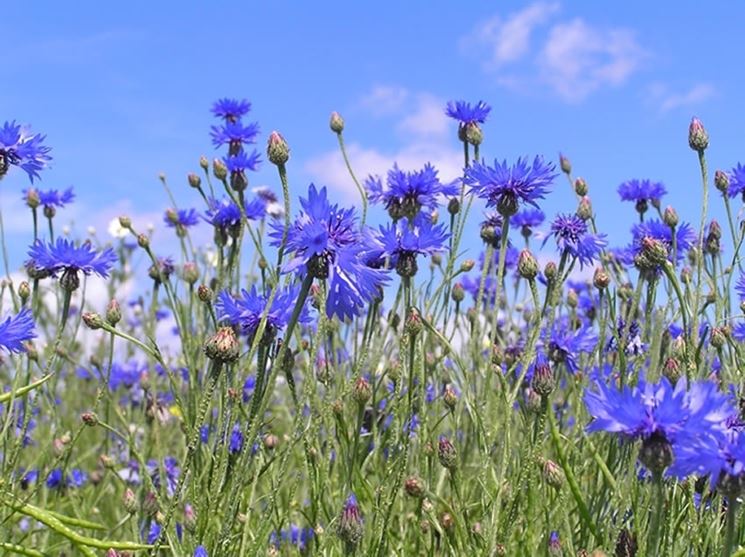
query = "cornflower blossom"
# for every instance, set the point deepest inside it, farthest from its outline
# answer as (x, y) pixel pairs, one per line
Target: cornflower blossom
(642, 193)
(565, 345)
(736, 181)
(246, 310)
(181, 218)
(231, 109)
(16, 330)
(465, 113)
(509, 187)
(574, 239)
(19, 147)
(326, 242)
(406, 194)
(404, 240)
(47, 259)
(526, 220)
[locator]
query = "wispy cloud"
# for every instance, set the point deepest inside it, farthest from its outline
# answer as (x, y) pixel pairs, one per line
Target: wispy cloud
(422, 128)
(661, 96)
(533, 49)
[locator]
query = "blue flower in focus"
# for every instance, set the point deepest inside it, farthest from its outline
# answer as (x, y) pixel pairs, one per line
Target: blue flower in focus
(245, 311)
(234, 134)
(508, 187)
(15, 330)
(467, 114)
(327, 243)
(736, 181)
(573, 237)
(642, 192)
(183, 218)
(231, 109)
(19, 147)
(64, 256)
(407, 193)
(404, 240)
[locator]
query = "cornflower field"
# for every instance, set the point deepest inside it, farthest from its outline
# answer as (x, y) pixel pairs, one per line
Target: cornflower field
(312, 384)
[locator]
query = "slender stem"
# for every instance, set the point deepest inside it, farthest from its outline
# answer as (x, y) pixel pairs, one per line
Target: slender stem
(363, 193)
(729, 537)
(700, 254)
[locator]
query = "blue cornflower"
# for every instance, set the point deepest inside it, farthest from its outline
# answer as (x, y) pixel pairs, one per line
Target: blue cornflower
(249, 386)
(153, 532)
(54, 478)
(245, 311)
(50, 199)
(740, 287)
(225, 215)
(231, 109)
(467, 114)
(327, 244)
(19, 147)
(200, 551)
(181, 218)
(736, 181)
(658, 413)
(527, 219)
(507, 187)
(719, 454)
(127, 374)
(573, 237)
(407, 193)
(234, 134)
(65, 257)
(15, 330)
(243, 161)
(642, 192)
(404, 240)
(632, 334)
(565, 345)
(235, 445)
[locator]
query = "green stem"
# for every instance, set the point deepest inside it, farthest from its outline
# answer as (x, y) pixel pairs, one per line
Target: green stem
(363, 193)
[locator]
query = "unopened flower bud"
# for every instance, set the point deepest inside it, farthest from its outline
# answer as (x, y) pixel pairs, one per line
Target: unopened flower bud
(271, 441)
(447, 454)
(129, 501)
(24, 291)
(414, 323)
(32, 198)
(190, 518)
(125, 222)
(467, 265)
(550, 271)
(670, 217)
(458, 294)
(190, 272)
(223, 346)
(205, 294)
(600, 278)
(718, 337)
(566, 166)
(278, 152)
(113, 313)
(89, 418)
(350, 528)
(553, 475)
(92, 320)
(150, 504)
(543, 381)
(450, 397)
(336, 123)
(194, 180)
(584, 209)
(414, 487)
(362, 391)
(143, 241)
(721, 181)
(454, 206)
(204, 163)
(527, 265)
(580, 187)
(698, 139)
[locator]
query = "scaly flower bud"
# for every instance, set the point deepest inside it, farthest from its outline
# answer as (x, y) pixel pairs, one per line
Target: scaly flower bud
(351, 528)
(600, 278)
(113, 313)
(584, 209)
(566, 166)
(336, 123)
(414, 487)
(362, 391)
(223, 346)
(219, 169)
(721, 181)
(580, 187)
(527, 265)
(194, 180)
(447, 454)
(92, 320)
(698, 139)
(278, 152)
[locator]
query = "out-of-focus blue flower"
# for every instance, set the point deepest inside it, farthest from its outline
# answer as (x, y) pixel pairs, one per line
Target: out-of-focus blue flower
(181, 218)
(572, 237)
(641, 191)
(685, 238)
(527, 219)
(235, 444)
(565, 345)
(294, 535)
(467, 114)
(736, 181)
(632, 334)
(740, 287)
(224, 214)
(76, 478)
(231, 109)
(234, 134)
(65, 256)
(245, 311)
(153, 532)
(127, 374)
(405, 194)
(243, 161)
(200, 551)
(15, 330)
(508, 187)
(404, 240)
(52, 198)
(327, 243)
(171, 471)
(19, 147)
(249, 386)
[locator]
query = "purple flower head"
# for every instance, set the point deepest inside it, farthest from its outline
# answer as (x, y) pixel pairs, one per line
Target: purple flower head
(15, 330)
(235, 134)
(573, 237)
(243, 161)
(467, 114)
(405, 194)
(19, 147)
(231, 109)
(327, 243)
(245, 311)
(404, 240)
(641, 190)
(183, 218)
(65, 257)
(736, 181)
(508, 187)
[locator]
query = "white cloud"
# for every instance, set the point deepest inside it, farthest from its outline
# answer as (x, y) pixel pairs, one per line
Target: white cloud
(423, 128)
(577, 59)
(385, 99)
(532, 49)
(668, 100)
(509, 39)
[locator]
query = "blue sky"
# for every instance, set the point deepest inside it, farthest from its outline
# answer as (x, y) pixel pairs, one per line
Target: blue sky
(124, 94)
